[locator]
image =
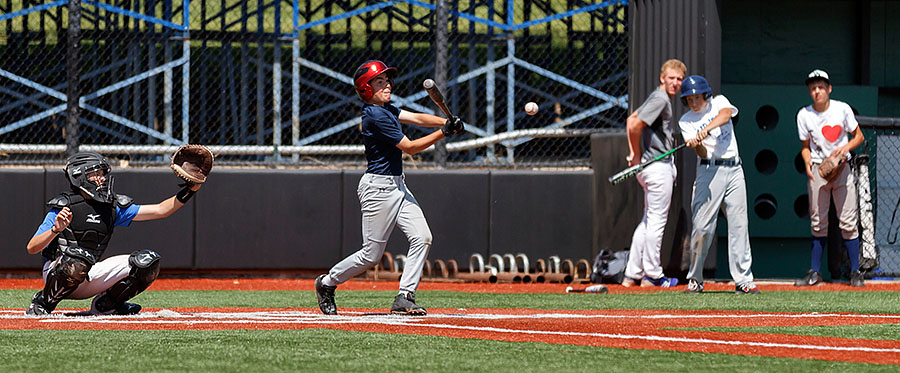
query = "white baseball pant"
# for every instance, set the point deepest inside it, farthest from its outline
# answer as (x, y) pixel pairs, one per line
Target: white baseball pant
(644, 260)
(102, 276)
(387, 202)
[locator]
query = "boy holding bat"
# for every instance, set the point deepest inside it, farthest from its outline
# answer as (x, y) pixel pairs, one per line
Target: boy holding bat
(649, 131)
(708, 129)
(385, 200)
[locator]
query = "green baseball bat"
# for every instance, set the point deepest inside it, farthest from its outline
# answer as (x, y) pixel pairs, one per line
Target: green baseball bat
(633, 170)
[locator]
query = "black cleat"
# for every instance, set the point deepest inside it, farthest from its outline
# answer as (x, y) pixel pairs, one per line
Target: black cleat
(811, 278)
(856, 279)
(325, 294)
(126, 308)
(38, 307)
(746, 288)
(407, 305)
(693, 287)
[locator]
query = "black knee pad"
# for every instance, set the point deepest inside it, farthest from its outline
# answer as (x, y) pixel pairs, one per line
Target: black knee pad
(144, 266)
(73, 266)
(71, 270)
(144, 270)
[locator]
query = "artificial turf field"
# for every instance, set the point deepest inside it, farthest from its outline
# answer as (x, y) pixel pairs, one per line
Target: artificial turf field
(273, 325)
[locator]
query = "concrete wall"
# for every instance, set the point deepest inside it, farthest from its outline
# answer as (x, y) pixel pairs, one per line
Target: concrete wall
(310, 219)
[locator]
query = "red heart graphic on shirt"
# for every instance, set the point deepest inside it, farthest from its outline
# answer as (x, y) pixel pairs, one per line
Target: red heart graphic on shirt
(832, 133)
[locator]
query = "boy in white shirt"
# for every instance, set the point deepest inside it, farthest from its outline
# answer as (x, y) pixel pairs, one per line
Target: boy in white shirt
(708, 129)
(823, 128)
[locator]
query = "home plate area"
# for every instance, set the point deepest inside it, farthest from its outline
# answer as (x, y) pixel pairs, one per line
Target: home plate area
(632, 329)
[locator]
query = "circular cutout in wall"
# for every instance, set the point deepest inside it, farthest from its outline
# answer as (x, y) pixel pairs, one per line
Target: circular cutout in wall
(801, 206)
(765, 206)
(766, 162)
(767, 117)
(799, 165)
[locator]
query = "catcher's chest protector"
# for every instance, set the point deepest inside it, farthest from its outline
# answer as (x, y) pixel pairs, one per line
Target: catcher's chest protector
(91, 227)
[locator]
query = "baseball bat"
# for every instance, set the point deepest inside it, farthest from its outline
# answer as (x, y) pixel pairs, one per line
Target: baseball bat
(436, 96)
(590, 289)
(633, 170)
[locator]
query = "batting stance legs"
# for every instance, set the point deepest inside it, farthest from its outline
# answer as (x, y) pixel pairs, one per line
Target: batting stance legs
(386, 202)
(643, 261)
(715, 186)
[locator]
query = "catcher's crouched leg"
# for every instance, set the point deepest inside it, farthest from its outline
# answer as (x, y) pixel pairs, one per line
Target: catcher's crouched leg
(144, 270)
(70, 270)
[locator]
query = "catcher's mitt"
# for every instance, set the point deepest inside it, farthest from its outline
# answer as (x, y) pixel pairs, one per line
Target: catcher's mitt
(831, 167)
(193, 163)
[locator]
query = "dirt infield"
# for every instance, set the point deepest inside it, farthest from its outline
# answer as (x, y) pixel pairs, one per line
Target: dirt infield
(630, 329)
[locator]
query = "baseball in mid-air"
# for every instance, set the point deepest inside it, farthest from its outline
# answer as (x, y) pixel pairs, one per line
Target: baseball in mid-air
(531, 108)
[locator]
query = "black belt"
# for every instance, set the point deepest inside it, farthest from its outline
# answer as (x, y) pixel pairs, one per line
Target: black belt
(722, 162)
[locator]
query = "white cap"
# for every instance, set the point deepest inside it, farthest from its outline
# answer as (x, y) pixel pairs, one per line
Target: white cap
(818, 74)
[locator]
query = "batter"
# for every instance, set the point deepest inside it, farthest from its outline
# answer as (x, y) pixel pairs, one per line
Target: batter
(383, 196)
(708, 129)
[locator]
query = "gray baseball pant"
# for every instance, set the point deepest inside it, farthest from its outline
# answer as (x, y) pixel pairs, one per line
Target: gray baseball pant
(387, 202)
(843, 190)
(717, 187)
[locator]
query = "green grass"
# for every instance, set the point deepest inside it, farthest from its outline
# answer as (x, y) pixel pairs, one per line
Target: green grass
(332, 350)
(873, 332)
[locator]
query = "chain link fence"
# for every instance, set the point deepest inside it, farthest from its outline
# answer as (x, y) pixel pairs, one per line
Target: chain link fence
(269, 83)
(879, 205)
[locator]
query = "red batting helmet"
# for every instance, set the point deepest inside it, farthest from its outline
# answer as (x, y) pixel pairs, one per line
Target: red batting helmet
(365, 73)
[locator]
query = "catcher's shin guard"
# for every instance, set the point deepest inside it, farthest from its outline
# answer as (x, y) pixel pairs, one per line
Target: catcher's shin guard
(144, 270)
(62, 280)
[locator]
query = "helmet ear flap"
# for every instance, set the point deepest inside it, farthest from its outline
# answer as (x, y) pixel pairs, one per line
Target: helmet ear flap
(365, 92)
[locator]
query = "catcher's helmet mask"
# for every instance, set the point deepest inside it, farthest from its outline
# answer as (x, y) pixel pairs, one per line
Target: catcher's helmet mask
(695, 85)
(79, 168)
(366, 72)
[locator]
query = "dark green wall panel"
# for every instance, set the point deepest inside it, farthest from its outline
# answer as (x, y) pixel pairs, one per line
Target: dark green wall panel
(785, 183)
(779, 42)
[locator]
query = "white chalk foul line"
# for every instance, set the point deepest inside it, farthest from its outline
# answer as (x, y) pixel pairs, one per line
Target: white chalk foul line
(299, 317)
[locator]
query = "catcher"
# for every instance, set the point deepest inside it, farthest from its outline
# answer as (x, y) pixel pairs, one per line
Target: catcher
(76, 231)
(824, 127)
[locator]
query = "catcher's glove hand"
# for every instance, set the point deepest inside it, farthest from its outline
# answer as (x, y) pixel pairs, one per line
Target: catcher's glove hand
(831, 167)
(193, 163)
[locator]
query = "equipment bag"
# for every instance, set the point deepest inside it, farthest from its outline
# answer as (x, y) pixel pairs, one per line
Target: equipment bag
(609, 267)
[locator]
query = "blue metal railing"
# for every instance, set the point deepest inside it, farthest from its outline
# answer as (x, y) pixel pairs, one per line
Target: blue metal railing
(488, 70)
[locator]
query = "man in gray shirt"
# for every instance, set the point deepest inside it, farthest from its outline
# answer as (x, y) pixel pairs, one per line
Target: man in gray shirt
(649, 131)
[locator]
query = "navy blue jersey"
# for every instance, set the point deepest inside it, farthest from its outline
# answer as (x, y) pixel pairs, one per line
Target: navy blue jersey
(381, 133)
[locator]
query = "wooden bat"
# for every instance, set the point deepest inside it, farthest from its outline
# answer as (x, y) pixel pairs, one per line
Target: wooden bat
(633, 170)
(436, 96)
